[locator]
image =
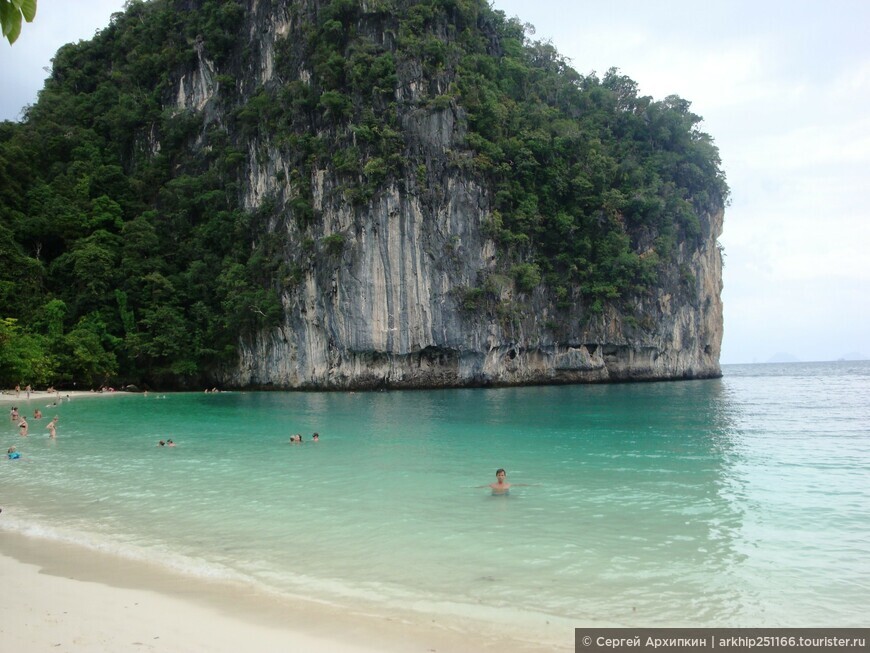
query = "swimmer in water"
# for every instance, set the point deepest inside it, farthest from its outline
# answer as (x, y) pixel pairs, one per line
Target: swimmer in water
(12, 454)
(52, 428)
(22, 424)
(501, 487)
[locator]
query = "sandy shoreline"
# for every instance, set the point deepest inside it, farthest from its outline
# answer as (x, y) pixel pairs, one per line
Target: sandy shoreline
(62, 597)
(56, 599)
(9, 398)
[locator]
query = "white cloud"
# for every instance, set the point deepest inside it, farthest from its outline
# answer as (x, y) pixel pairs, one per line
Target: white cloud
(728, 75)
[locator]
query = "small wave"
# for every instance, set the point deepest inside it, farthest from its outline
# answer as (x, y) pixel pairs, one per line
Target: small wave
(154, 554)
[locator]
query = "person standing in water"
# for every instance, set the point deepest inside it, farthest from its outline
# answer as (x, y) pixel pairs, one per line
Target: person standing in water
(22, 424)
(501, 486)
(52, 428)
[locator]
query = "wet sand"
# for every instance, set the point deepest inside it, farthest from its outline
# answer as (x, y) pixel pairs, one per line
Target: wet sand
(60, 597)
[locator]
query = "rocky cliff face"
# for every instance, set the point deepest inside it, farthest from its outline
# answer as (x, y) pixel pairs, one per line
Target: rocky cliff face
(380, 302)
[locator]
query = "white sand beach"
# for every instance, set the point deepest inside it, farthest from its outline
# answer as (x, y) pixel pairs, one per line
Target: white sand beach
(45, 612)
(61, 597)
(41, 398)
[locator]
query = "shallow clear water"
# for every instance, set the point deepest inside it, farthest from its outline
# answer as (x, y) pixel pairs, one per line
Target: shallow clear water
(743, 501)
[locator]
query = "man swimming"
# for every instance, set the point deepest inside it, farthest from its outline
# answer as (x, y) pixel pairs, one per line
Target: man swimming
(501, 486)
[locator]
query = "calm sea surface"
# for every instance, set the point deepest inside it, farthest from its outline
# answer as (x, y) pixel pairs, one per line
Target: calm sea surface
(743, 501)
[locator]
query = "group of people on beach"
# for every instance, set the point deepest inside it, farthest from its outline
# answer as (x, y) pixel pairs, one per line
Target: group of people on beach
(27, 389)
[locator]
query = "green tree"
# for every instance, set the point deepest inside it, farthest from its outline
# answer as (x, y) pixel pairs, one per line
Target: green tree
(23, 356)
(85, 357)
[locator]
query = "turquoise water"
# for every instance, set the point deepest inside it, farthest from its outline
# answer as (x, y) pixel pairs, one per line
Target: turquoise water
(742, 501)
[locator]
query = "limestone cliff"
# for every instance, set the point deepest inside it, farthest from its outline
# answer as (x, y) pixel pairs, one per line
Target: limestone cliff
(378, 298)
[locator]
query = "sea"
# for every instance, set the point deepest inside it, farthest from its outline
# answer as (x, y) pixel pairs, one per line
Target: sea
(742, 501)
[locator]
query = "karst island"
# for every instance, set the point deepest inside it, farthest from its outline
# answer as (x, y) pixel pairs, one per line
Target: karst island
(335, 194)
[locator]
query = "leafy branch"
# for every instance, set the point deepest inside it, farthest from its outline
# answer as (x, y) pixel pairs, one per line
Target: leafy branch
(11, 14)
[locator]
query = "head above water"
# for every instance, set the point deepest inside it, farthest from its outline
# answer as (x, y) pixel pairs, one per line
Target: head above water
(500, 473)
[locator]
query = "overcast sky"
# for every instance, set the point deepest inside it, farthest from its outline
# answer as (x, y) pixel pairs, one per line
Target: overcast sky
(784, 89)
